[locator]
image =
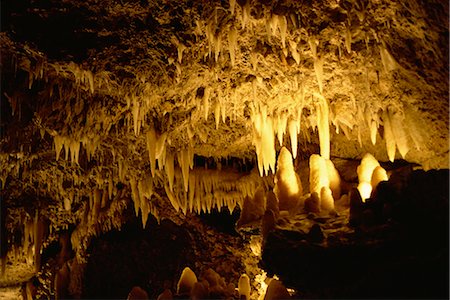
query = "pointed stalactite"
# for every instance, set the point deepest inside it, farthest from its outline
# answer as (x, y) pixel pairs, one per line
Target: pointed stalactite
(58, 140)
(389, 63)
(283, 30)
(135, 195)
(170, 169)
(389, 136)
(318, 69)
(399, 132)
(232, 45)
(135, 113)
(184, 161)
(151, 148)
(232, 6)
(292, 128)
(323, 127)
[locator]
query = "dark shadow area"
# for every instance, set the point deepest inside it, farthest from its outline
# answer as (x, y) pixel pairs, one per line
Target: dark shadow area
(151, 258)
(404, 257)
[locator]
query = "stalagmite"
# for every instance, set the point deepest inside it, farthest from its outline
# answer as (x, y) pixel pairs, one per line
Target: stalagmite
(323, 126)
(244, 287)
(389, 136)
(334, 179)
(137, 293)
(379, 174)
(186, 282)
(365, 189)
(366, 168)
(288, 188)
(276, 291)
(292, 128)
(318, 173)
(326, 199)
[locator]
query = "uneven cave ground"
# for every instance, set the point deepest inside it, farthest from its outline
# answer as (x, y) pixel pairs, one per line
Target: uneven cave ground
(402, 253)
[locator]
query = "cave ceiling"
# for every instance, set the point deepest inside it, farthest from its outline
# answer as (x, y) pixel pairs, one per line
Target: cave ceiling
(96, 94)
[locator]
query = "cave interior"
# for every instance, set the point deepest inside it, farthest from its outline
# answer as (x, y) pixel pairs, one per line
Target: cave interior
(250, 149)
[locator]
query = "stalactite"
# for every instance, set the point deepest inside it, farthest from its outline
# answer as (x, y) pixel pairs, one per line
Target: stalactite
(292, 128)
(323, 127)
(135, 114)
(318, 69)
(232, 45)
(389, 63)
(389, 136)
(399, 132)
(283, 29)
(294, 51)
(135, 195)
(232, 6)
(58, 140)
(348, 39)
(217, 114)
(151, 148)
(281, 127)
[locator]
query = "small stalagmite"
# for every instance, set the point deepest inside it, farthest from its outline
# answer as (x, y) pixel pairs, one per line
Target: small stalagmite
(318, 173)
(288, 187)
(365, 169)
(252, 208)
(244, 287)
(379, 174)
(365, 189)
(137, 293)
(186, 282)
(326, 199)
(276, 291)
(312, 204)
(334, 180)
(166, 295)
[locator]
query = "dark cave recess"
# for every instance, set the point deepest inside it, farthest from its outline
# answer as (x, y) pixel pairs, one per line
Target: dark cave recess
(405, 257)
(151, 258)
